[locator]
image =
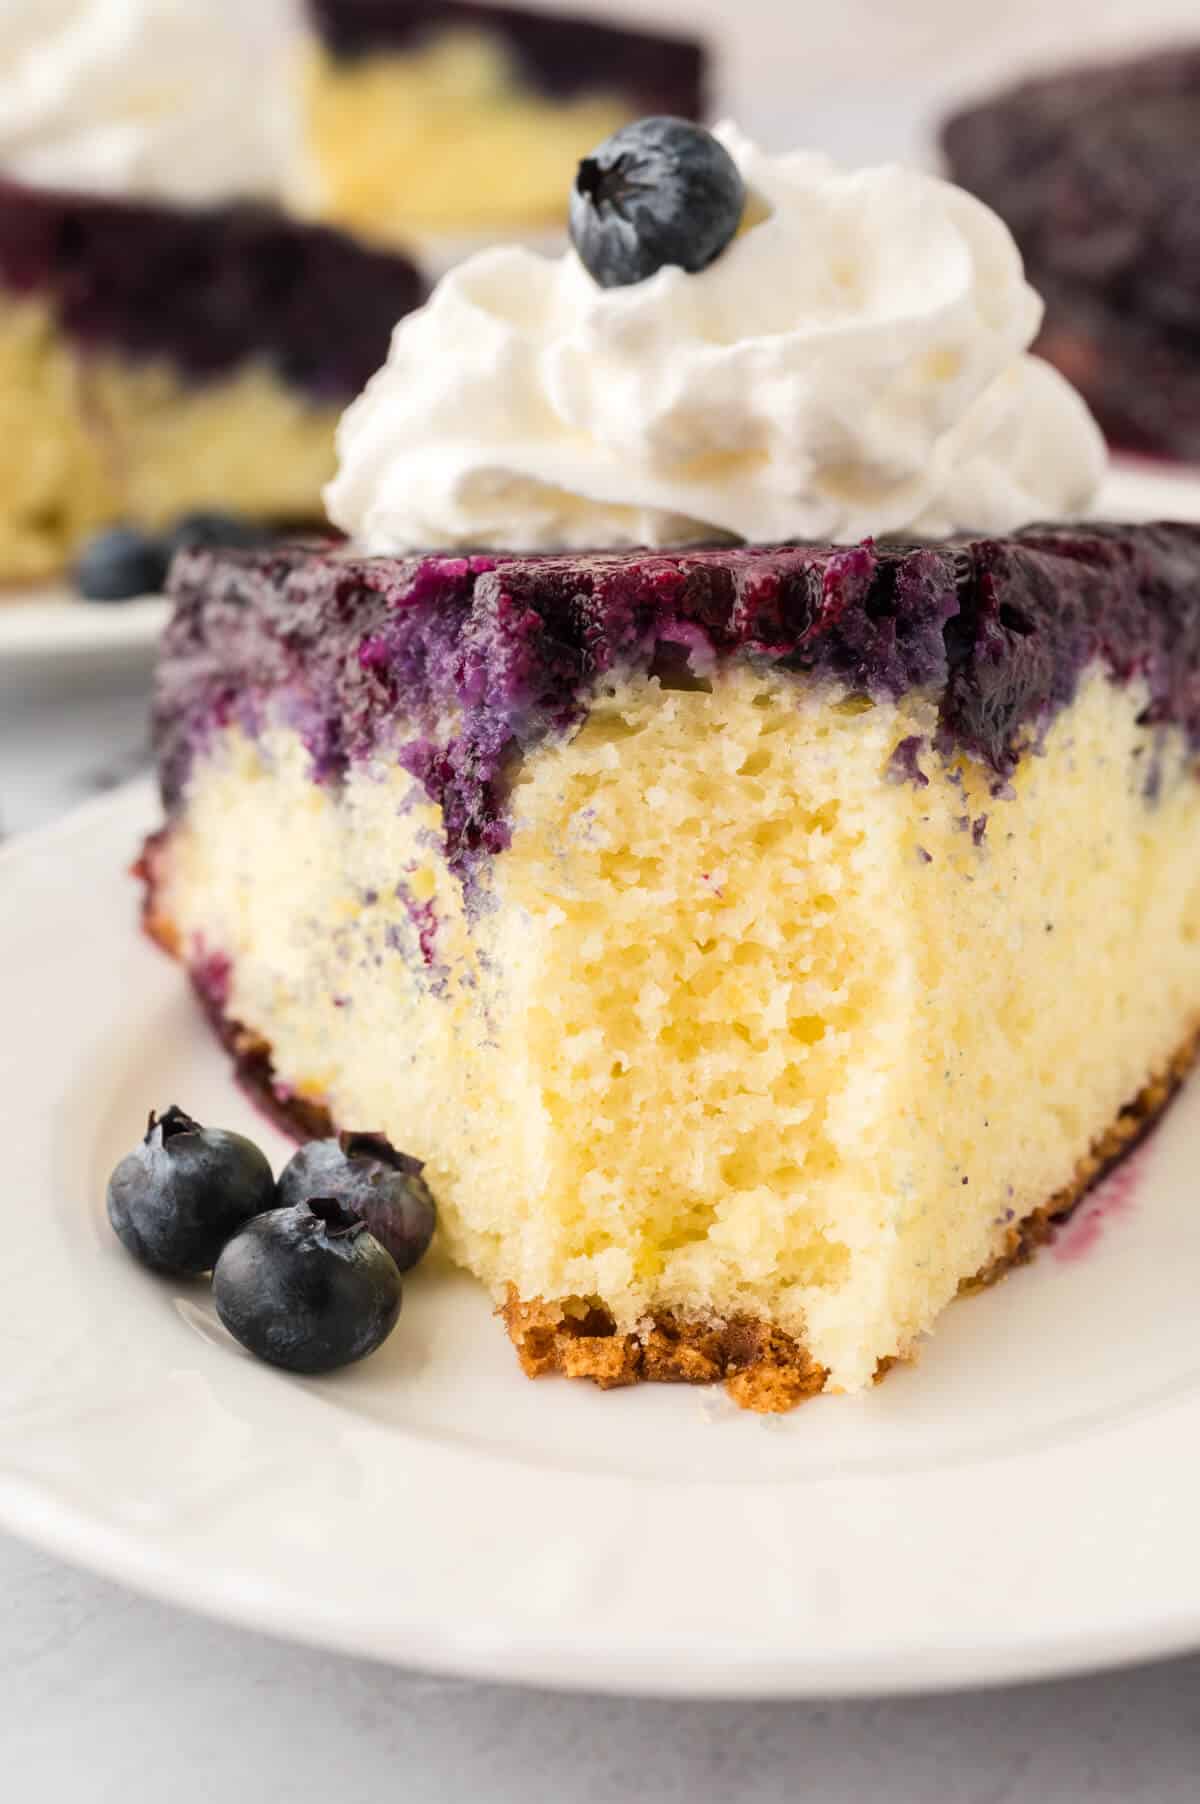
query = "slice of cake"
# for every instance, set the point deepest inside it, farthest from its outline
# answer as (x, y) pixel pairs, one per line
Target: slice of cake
(1095, 172)
(759, 946)
(445, 116)
(156, 359)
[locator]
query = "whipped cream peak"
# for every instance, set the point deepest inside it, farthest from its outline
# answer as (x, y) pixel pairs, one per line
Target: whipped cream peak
(853, 364)
(160, 99)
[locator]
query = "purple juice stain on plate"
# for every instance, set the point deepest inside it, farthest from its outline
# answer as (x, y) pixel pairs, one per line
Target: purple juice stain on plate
(1115, 1197)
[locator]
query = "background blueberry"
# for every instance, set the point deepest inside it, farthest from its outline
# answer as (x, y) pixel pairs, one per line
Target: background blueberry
(658, 192)
(176, 1199)
(209, 526)
(307, 1288)
(368, 1175)
(118, 564)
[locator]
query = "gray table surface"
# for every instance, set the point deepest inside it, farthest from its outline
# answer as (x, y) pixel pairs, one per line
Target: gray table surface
(109, 1696)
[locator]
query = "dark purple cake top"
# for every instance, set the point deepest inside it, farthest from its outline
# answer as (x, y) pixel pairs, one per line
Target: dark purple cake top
(210, 288)
(365, 655)
(1094, 170)
(562, 55)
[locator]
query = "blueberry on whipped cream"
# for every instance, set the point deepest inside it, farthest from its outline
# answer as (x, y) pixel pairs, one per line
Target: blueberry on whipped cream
(657, 192)
(308, 1288)
(178, 1197)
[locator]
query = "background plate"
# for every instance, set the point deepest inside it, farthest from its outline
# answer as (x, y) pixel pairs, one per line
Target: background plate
(54, 621)
(1022, 1503)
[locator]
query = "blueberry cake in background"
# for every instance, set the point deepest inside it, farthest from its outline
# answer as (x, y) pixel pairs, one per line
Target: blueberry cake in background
(1096, 172)
(716, 926)
(156, 359)
(447, 116)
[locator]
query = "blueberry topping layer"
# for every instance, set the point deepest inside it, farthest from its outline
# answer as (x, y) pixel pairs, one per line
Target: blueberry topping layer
(658, 192)
(365, 655)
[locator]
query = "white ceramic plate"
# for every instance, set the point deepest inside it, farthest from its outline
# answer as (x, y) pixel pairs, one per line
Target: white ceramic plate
(52, 621)
(1023, 1502)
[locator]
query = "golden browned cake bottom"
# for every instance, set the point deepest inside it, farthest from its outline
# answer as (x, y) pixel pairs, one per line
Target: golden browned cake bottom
(762, 1368)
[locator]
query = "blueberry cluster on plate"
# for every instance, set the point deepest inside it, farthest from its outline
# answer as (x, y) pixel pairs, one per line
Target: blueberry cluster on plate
(306, 1270)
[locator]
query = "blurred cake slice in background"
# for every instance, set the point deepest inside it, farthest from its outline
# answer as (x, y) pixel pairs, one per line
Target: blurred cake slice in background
(1096, 173)
(159, 98)
(169, 340)
(444, 117)
(156, 359)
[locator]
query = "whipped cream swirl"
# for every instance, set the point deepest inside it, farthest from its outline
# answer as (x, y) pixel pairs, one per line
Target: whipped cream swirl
(852, 364)
(164, 99)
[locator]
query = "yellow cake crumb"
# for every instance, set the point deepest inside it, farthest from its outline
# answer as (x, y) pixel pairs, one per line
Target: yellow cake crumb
(745, 1028)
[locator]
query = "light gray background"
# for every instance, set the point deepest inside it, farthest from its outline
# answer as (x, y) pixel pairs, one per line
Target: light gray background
(106, 1696)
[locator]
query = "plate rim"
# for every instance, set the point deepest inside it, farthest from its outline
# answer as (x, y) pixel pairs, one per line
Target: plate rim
(546, 1663)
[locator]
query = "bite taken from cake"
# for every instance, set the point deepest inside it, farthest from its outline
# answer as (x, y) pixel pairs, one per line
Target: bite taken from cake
(697, 815)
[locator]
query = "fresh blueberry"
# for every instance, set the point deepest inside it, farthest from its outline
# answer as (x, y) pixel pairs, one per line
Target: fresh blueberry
(368, 1175)
(210, 528)
(658, 191)
(308, 1288)
(176, 1199)
(118, 564)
